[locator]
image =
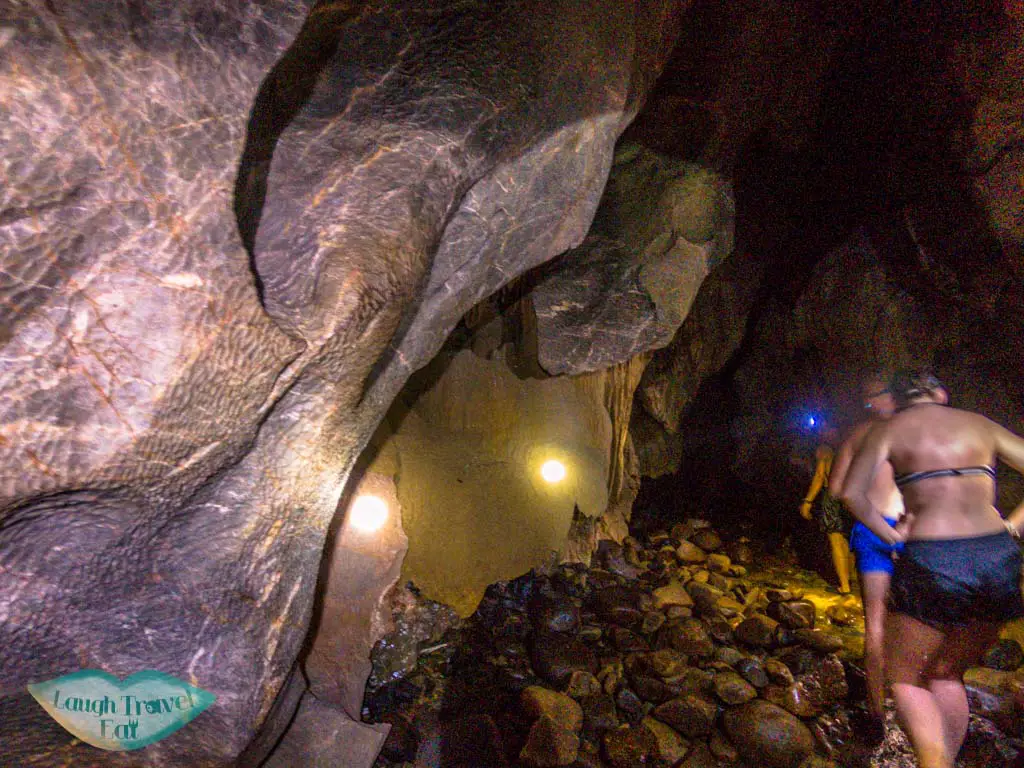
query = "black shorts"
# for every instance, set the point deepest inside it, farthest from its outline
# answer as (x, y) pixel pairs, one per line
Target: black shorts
(958, 581)
(832, 515)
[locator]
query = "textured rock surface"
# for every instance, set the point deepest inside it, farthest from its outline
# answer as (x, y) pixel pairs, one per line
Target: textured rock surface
(359, 572)
(454, 451)
(322, 736)
(178, 416)
(661, 228)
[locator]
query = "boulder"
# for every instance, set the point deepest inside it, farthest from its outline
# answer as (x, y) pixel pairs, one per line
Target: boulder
(767, 735)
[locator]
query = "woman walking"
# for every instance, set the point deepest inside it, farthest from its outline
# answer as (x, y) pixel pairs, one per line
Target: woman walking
(957, 579)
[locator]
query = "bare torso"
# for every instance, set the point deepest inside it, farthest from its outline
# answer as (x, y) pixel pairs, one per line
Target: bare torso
(883, 494)
(929, 436)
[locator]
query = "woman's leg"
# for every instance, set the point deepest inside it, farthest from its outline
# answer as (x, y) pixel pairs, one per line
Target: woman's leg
(841, 560)
(963, 648)
(874, 591)
(909, 647)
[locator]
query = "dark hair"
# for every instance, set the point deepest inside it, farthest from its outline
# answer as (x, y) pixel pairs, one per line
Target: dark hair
(908, 385)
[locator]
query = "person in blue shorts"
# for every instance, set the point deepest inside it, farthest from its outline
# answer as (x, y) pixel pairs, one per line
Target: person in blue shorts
(874, 557)
(957, 578)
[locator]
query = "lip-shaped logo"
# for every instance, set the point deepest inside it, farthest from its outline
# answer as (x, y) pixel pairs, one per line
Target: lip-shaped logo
(121, 715)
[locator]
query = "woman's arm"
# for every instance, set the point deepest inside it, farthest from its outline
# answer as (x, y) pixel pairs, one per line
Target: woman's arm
(869, 457)
(1010, 449)
(822, 454)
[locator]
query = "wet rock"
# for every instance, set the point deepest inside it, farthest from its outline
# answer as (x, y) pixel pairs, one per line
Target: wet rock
(651, 689)
(672, 593)
(590, 633)
(690, 553)
(692, 680)
(700, 757)
(556, 656)
(589, 756)
(754, 671)
(998, 696)
(1006, 655)
(582, 684)
(727, 655)
(629, 746)
(549, 745)
(720, 629)
(599, 713)
(701, 591)
(816, 639)
(554, 613)
(733, 689)
(610, 676)
(612, 557)
(816, 761)
(561, 709)
(740, 552)
(722, 748)
(652, 622)
(825, 684)
(719, 563)
(684, 529)
(691, 715)
(688, 636)
(778, 595)
(632, 551)
(629, 704)
(628, 642)
(798, 658)
(768, 735)
(718, 581)
(618, 605)
(417, 621)
(678, 612)
(726, 607)
(791, 698)
(841, 615)
(666, 662)
(795, 614)
(669, 746)
(757, 630)
(707, 539)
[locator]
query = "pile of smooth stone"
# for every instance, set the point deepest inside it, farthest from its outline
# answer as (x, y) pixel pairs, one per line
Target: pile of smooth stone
(663, 653)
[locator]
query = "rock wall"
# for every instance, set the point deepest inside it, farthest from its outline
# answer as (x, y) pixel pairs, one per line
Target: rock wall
(209, 306)
(474, 504)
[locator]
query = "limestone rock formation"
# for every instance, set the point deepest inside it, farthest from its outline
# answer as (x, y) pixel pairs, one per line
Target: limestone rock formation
(189, 376)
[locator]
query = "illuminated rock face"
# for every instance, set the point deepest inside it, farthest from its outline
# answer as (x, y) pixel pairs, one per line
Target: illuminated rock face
(178, 415)
(475, 504)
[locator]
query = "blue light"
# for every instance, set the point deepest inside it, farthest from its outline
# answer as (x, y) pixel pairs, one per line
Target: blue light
(811, 421)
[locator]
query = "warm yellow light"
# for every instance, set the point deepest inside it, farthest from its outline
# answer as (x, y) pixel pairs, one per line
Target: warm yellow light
(368, 513)
(553, 471)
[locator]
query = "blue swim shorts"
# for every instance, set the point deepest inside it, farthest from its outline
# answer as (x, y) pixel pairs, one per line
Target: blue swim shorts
(873, 554)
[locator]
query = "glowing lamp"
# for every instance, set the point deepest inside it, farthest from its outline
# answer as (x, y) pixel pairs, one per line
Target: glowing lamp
(368, 513)
(553, 471)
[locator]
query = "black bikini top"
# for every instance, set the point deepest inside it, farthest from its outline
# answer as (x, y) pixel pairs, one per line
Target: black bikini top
(913, 477)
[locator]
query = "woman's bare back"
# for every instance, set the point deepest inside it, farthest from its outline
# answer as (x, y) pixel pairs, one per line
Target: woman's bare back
(931, 436)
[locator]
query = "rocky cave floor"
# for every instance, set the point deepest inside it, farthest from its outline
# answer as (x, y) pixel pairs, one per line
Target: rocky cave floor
(678, 650)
